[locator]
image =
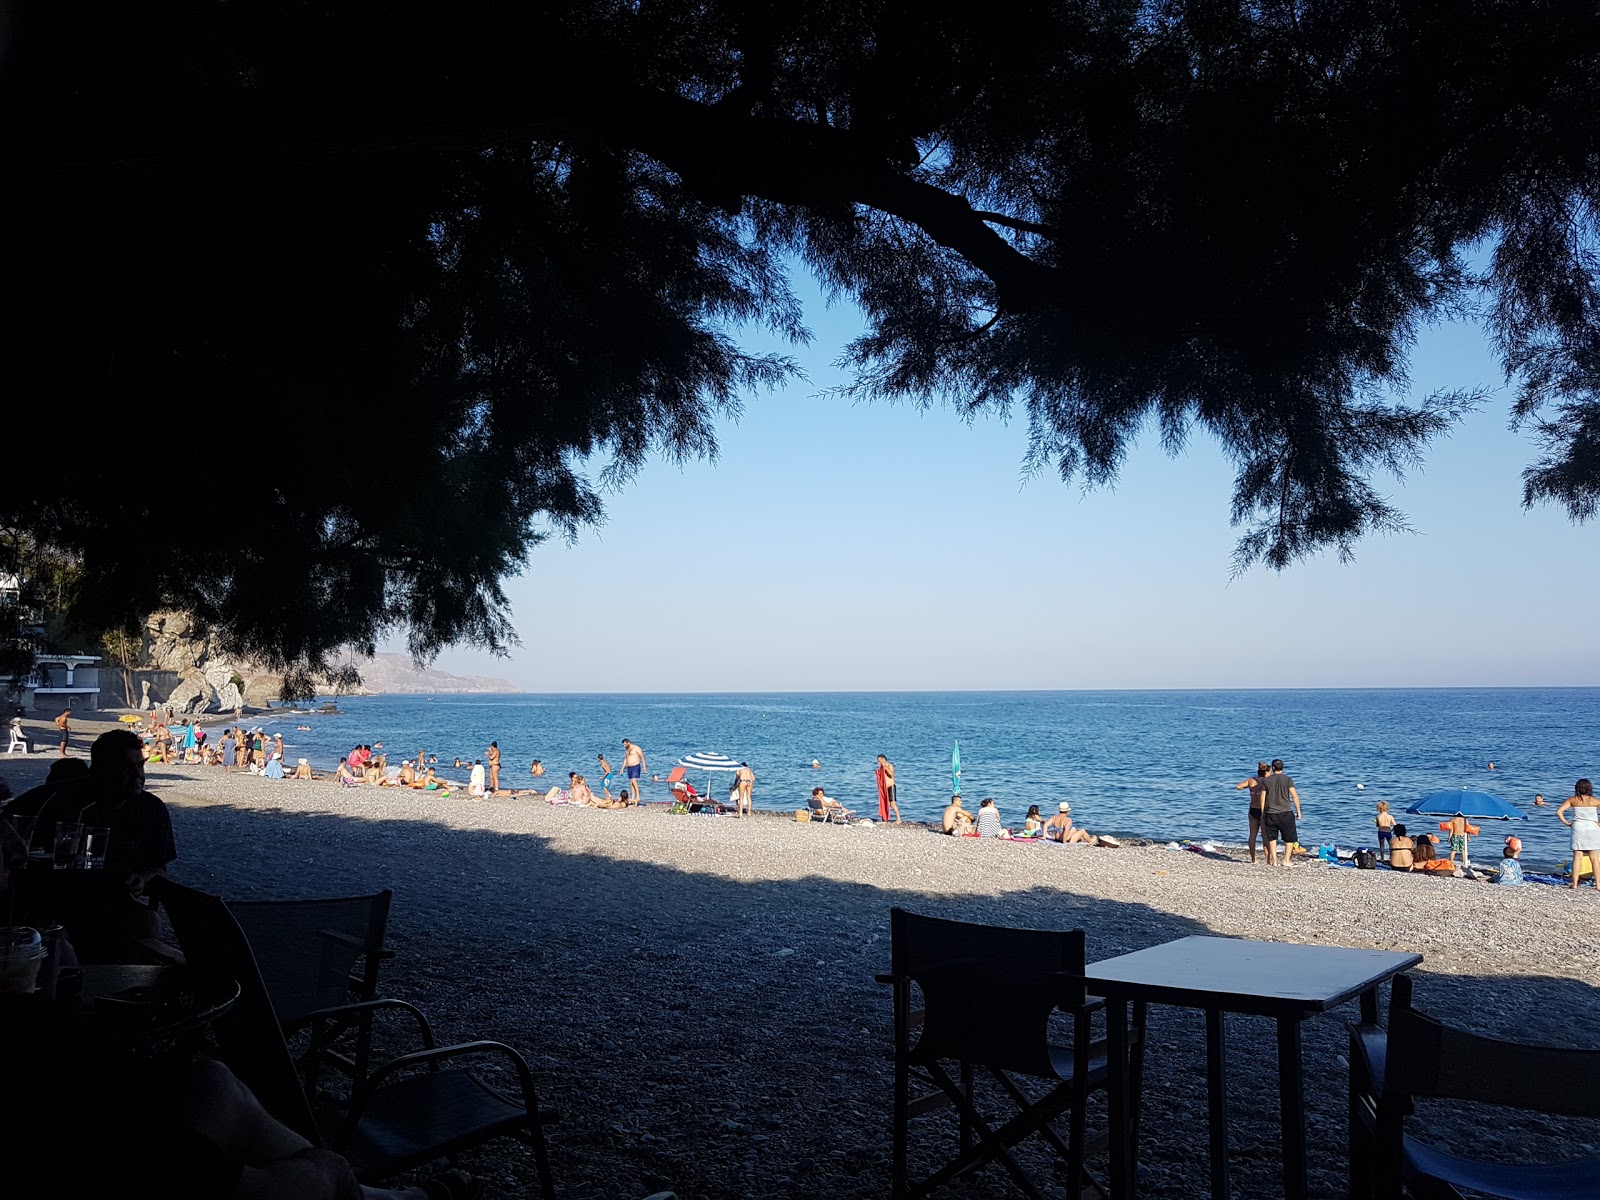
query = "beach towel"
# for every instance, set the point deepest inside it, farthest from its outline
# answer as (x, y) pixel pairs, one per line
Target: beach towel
(883, 795)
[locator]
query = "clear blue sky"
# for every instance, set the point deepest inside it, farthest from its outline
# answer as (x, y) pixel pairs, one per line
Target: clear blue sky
(848, 547)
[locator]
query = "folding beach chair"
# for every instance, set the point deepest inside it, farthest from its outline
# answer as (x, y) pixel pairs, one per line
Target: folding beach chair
(988, 994)
(828, 813)
(405, 1113)
(316, 955)
(1419, 1057)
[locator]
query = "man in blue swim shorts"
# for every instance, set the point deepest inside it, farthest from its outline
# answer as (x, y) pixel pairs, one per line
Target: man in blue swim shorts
(632, 767)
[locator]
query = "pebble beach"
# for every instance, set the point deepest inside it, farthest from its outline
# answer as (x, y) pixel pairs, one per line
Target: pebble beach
(696, 993)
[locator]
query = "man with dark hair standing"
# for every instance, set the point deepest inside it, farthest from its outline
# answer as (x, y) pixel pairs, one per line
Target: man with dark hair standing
(493, 758)
(1280, 812)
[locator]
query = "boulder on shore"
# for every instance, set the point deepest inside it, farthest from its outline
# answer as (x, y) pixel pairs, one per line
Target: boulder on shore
(191, 694)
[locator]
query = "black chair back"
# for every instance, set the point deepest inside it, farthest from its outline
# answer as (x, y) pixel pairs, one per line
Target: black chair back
(249, 1036)
(988, 991)
(1430, 1059)
(307, 949)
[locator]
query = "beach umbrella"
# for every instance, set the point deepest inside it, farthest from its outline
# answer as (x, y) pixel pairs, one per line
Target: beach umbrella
(1478, 805)
(955, 770)
(129, 719)
(708, 761)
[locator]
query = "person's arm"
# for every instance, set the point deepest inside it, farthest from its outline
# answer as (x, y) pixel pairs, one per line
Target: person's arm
(1239, 787)
(1565, 804)
(1295, 796)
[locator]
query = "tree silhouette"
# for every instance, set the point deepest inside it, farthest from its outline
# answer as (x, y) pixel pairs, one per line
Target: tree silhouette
(396, 279)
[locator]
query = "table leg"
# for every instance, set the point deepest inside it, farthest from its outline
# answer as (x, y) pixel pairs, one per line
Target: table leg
(1292, 1108)
(1217, 1097)
(1369, 1006)
(1120, 1170)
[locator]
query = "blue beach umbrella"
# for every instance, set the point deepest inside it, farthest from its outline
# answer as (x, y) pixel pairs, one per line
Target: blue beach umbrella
(708, 761)
(955, 769)
(1478, 805)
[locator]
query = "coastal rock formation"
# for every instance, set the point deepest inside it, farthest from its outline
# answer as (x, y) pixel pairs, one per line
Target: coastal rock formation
(183, 665)
(192, 693)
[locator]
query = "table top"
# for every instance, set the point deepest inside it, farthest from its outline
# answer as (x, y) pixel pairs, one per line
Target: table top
(1237, 975)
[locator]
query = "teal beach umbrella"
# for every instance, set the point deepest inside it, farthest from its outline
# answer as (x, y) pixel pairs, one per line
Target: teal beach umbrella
(955, 770)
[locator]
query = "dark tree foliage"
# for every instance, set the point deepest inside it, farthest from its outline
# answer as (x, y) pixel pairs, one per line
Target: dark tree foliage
(371, 286)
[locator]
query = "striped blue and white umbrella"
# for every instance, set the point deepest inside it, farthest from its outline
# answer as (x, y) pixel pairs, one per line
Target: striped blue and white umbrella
(708, 760)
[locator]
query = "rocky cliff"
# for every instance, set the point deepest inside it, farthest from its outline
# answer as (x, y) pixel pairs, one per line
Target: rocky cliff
(183, 666)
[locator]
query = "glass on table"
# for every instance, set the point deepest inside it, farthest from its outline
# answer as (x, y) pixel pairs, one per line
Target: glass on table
(95, 840)
(68, 841)
(20, 956)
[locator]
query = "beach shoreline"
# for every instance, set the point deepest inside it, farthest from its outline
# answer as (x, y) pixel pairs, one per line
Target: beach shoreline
(695, 991)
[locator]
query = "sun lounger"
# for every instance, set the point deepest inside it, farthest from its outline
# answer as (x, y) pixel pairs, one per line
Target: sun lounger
(829, 814)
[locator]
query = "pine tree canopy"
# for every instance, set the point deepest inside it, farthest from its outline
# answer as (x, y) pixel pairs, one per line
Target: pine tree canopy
(388, 281)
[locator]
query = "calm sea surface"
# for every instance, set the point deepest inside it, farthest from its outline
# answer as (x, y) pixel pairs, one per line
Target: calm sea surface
(1151, 764)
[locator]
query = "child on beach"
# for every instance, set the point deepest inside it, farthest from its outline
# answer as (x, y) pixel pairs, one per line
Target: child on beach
(1510, 868)
(1033, 823)
(1459, 831)
(1385, 824)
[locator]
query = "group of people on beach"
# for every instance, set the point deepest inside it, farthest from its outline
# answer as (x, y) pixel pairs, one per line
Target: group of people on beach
(1275, 812)
(958, 821)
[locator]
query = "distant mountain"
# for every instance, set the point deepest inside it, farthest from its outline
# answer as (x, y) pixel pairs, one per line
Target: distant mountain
(395, 673)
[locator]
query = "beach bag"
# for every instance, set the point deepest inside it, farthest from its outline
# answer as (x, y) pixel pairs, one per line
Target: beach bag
(1367, 860)
(802, 815)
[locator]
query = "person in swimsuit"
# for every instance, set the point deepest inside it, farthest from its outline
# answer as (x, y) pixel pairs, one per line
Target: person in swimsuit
(1257, 798)
(886, 794)
(1385, 823)
(1585, 825)
(492, 758)
(1401, 850)
(1060, 828)
(957, 820)
(537, 769)
(632, 767)
(1032, 822)
(744, 780)
(605, 780)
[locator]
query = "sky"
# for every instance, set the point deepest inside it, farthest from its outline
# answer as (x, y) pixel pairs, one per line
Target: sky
(835, 546)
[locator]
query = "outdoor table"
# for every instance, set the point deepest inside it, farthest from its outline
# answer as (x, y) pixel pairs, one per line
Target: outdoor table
(1221, 975)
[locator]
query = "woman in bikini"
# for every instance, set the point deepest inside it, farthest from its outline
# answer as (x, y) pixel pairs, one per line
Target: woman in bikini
(1258, 797)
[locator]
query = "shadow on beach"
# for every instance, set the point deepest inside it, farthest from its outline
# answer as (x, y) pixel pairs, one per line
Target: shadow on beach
(724, 1037)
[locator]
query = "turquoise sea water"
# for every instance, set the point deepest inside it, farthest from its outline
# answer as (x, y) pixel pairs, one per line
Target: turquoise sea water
(1150, 764)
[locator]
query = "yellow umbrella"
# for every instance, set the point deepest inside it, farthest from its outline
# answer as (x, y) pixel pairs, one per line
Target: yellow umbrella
(129, 719)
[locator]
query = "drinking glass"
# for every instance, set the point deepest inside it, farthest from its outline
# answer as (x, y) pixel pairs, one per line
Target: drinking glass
(69, 839)
(95, 840)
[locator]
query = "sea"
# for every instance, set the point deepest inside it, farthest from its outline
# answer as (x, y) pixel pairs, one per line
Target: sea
(1148, 764)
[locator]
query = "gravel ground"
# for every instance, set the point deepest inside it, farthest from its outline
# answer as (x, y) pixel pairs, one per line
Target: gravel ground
(696, 994)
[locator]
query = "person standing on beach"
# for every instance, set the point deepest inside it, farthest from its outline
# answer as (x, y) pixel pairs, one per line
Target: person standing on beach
(64, 723)
(605, 779)
(493, 756)
(886, 793)
(227, 752)
(1585, 826)
(1280, 811)
(632, 766)
(1257, 797)
(745, 779)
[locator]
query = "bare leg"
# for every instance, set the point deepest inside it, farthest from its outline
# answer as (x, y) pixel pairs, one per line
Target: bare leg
(1255, 832)
(1577, 861)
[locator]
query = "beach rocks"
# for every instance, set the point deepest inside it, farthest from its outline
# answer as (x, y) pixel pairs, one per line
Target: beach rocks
(696, 994)
(192, 692)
